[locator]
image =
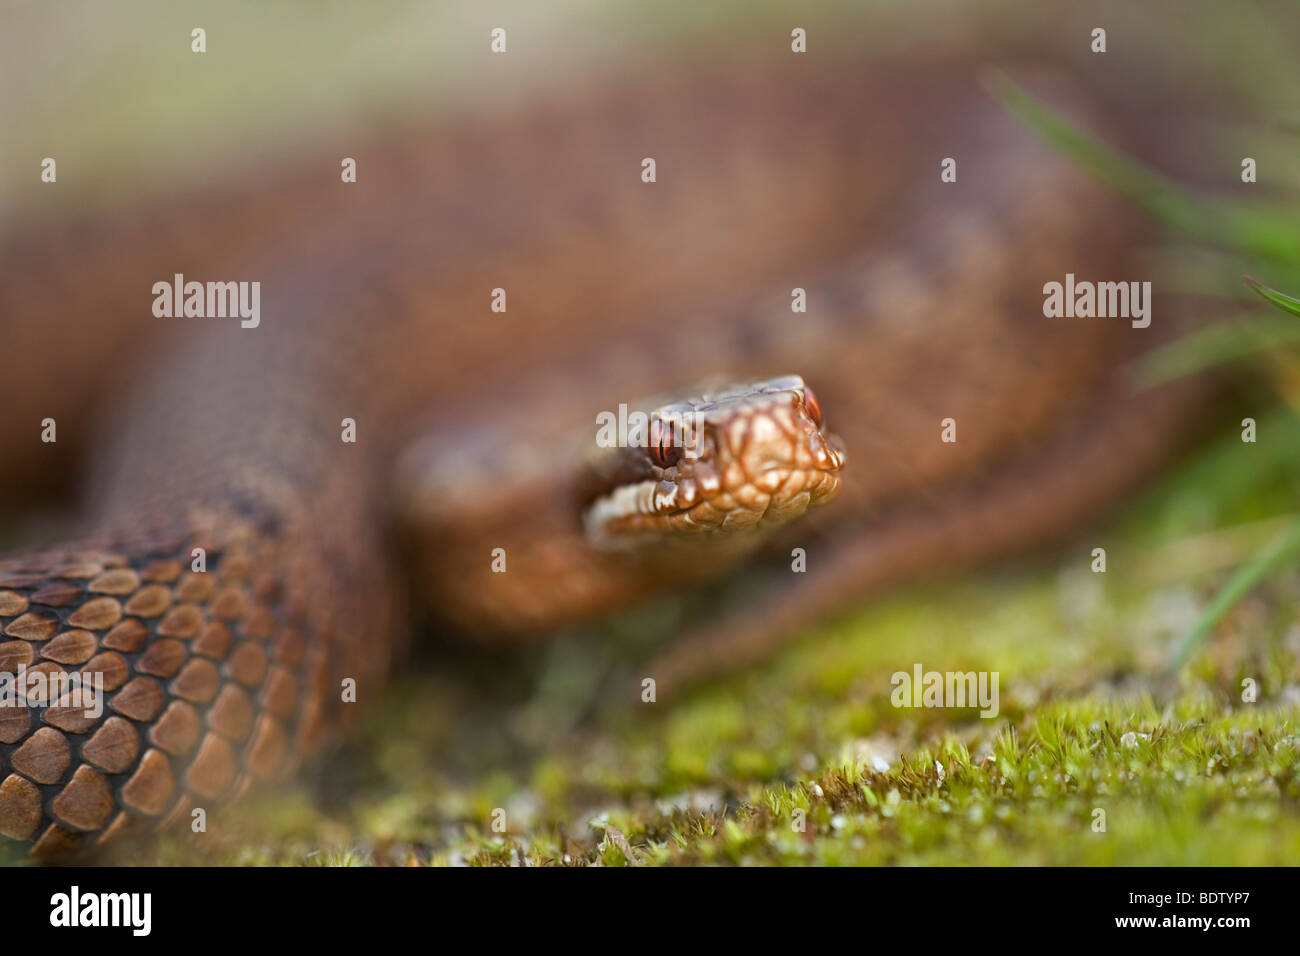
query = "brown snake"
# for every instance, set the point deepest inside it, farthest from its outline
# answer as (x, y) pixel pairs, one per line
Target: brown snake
(924, 303)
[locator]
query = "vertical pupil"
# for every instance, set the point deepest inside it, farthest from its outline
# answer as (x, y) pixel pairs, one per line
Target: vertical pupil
(814, 407)
(662, 449)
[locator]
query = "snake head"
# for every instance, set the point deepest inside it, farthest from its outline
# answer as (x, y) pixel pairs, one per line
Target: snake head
(735, 462)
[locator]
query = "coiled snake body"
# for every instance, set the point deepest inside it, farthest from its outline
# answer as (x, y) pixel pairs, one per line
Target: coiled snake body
(923, 304)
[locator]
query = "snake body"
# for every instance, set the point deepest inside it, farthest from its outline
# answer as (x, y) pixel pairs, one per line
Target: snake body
(924, 303)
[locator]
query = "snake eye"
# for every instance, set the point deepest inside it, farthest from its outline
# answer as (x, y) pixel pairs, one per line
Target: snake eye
(663, 451)
(814, 407)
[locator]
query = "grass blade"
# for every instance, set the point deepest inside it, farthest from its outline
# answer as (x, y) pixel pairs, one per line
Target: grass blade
(1283, 549)
(1255, 230)
(1282, 301)
(1214, 345)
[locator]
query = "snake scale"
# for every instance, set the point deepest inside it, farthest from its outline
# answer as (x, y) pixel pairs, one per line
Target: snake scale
(924, 302)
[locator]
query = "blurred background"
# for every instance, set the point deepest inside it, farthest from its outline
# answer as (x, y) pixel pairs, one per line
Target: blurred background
(119, 83)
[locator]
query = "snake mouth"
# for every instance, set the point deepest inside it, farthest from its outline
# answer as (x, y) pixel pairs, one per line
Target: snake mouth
(758, 458)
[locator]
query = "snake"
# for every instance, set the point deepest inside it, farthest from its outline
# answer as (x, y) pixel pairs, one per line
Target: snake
(856, 346)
